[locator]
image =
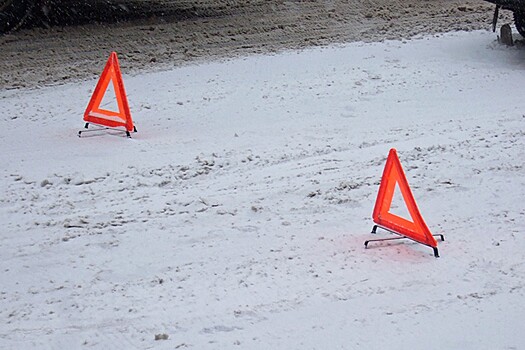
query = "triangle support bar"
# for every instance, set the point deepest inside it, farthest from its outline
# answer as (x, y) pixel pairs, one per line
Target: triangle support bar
(374, 230)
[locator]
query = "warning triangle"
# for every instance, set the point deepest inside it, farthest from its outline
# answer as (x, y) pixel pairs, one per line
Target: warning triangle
(98, 115)
(416, 228)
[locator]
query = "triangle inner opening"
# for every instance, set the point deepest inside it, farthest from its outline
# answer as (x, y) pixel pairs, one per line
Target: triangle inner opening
(398, 206)
(109, 100)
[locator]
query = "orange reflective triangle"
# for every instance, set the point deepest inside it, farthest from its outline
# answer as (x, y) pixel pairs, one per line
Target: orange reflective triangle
(95, 114)
(417, 228)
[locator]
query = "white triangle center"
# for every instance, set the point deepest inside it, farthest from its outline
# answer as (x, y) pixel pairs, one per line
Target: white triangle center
(109, 100)
(398, 206)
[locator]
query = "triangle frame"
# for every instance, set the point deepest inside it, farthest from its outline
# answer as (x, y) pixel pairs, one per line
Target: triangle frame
(416, 229)
(97, 115)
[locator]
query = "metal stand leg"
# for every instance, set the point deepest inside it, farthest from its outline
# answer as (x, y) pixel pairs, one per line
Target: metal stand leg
(102, 129)
(440, 236)
(374, 230)
(495, 18)
(383, 239)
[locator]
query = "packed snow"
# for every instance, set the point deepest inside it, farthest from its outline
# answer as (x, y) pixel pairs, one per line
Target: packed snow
(235, 217)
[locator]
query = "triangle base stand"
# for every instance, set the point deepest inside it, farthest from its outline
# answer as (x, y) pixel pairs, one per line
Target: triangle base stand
(104, 128)
(374, 230)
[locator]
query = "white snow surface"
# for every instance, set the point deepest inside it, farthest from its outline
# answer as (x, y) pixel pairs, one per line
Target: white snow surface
(235, 217)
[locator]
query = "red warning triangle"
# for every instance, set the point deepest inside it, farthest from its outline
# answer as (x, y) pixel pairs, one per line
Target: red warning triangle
(97, 115)
(417, 228)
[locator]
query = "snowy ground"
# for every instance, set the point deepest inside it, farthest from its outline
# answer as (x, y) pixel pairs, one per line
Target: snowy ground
(236, 216)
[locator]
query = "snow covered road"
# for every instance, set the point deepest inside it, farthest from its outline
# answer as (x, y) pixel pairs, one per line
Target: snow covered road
(236, 216)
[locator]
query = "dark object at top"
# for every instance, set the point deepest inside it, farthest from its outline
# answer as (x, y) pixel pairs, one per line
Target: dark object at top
(517, 7)
(13, 13)
(512, 5)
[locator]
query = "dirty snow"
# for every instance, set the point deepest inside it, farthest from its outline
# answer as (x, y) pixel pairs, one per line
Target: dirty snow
(192, 31)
